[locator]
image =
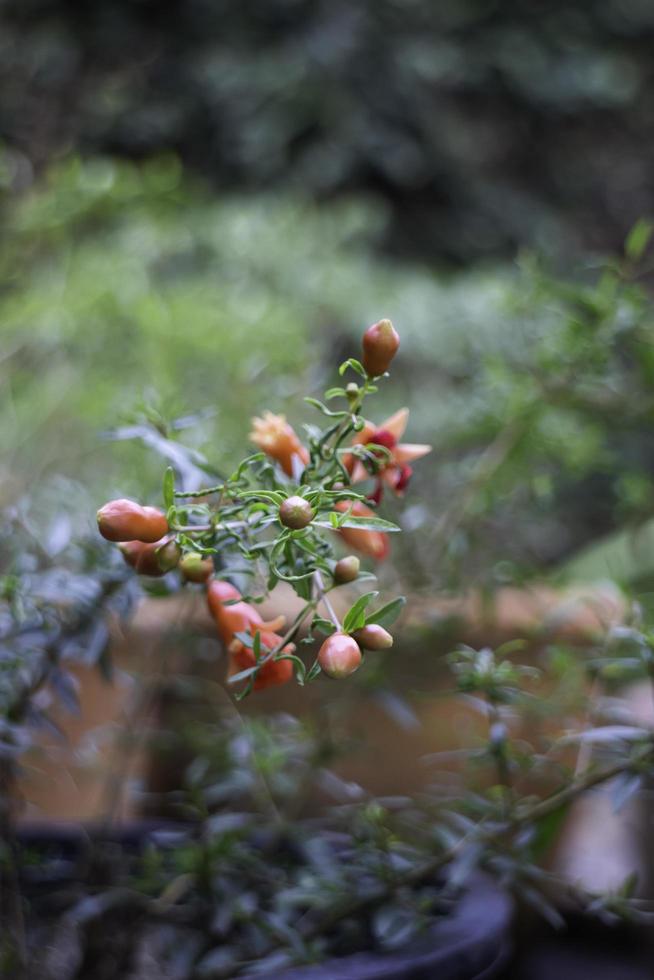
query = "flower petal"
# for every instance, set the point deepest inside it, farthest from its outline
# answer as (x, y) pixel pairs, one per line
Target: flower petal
(397, 423)
(406, 452)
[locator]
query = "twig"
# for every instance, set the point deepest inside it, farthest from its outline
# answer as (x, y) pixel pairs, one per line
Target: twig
(322, 596)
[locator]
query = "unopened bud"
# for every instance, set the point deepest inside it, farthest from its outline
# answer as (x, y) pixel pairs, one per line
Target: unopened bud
(125, 520)
(380, 345)
(154, 559)
(196, 567)
(346, 569)
(352, 392)
(339, 656)
(373, 637)
(296, 513)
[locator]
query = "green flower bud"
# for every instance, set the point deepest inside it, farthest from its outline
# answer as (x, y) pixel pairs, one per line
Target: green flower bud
(296, 513)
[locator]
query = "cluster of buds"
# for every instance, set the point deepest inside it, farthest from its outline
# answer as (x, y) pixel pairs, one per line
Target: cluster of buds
(145, 541)
(312, 491)
(125, 520)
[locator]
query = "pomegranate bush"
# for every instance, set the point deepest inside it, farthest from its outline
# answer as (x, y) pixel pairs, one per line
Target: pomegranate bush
(277, 518)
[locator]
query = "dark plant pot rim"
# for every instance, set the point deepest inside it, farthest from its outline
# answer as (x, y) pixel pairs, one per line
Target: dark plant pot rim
(473, 942)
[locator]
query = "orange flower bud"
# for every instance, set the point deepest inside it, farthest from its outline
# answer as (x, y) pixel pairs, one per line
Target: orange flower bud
(380, 345)
(339, 656)
(239, 617)
(196, 567)
(278, 439)
(373, 637)
(273, 673)
(296, 513)
(154, 559)
(372, 543)
(346, 569)
(125, 520)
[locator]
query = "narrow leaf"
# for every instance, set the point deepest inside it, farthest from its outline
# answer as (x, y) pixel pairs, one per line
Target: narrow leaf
(356, 616)
(386, 615)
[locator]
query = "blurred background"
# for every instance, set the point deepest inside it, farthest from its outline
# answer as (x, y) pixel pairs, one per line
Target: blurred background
(205, 202)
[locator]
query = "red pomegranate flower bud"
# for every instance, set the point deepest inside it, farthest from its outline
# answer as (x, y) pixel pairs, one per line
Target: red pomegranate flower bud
(373, 637)
(346, 569)
(196, 567)
(372, 543)
(154, 559)
(278, 439)
(125, 520)
(339, 656)
(296, 513)
(272, 673)
(380, 345)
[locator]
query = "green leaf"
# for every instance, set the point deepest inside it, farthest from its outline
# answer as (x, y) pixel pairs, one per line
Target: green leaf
(547, 829)
(362, 524)
(354, 364)
(334, 393)
(356, 616)
(638, 239)
(243, 675)
(169, 487)
(386, 615)
(326, 411)
(300, 669)
(314, 672)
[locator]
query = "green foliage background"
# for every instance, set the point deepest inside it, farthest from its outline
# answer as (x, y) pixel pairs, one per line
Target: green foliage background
(132, 291)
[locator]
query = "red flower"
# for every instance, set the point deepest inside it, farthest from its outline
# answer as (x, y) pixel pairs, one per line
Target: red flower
(241, 617)
(394, 467)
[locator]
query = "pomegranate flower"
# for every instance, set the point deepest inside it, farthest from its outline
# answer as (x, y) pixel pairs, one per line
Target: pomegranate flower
(241, 617)
(275, 437)
(394, 466)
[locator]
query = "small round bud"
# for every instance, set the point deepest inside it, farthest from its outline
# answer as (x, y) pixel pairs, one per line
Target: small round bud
(339, 656)
(352, 391)
(296, 513)
(125, 520)
(168, 555)
(196, 567)
(346, 569)
(380, 345)
(373, 637)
